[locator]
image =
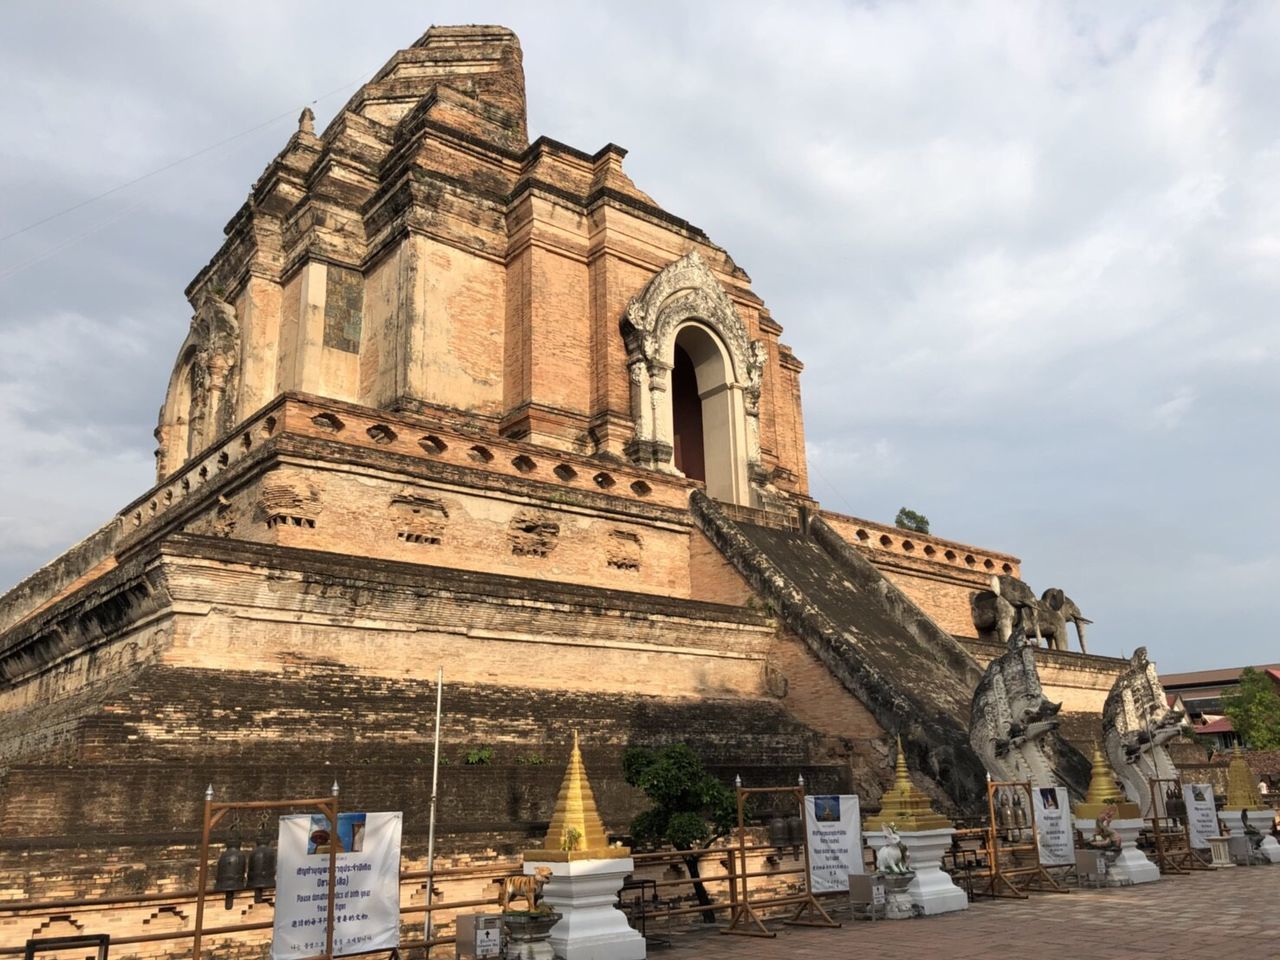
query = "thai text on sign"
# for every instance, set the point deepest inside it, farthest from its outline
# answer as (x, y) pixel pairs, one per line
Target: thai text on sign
(833, 826)
(366, 900)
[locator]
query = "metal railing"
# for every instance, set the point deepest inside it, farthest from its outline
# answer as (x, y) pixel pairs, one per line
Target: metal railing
(779, 870)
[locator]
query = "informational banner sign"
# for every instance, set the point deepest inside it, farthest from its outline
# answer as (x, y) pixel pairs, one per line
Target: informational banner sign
(834, 828)
(1202, 817)
(1053, 826)
(366, 907)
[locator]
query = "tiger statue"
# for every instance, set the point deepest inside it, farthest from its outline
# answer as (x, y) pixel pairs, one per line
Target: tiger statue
(529, 887)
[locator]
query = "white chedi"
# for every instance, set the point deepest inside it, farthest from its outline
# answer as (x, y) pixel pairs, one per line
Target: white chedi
(893, 857)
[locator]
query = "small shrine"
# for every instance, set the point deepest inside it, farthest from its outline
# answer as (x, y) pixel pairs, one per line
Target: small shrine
(907, 816)
(576, 831)
(1104, 792)
(586, 875)
(905, 805)
(1110, 822)
(1244, 811)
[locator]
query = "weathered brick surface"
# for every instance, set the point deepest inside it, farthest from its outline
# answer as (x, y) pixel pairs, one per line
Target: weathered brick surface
(938, 575)
(467, 268)
(395, 439)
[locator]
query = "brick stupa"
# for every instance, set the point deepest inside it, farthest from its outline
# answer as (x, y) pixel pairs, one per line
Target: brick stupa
(453, 395)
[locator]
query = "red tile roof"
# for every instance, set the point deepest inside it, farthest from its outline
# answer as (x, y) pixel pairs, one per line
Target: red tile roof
(1199, 678)
(1221, 725)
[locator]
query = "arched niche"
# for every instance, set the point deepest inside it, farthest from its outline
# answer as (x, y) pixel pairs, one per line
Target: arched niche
(711, 408)
(685, 313)
(199, 405)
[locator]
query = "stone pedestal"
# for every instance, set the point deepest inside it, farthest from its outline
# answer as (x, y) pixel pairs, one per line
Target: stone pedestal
(931, 890)
(1132, 865)
(1270, 848)
(584, 892)
(1261, 821)
(1220, 850)
(528, 935)
(898, 902)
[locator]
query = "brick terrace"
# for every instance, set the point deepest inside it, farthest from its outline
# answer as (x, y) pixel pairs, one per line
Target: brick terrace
(1234, 912)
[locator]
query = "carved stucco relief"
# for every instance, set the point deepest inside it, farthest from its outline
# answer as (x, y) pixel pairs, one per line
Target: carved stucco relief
(685, 290)
(200, 403)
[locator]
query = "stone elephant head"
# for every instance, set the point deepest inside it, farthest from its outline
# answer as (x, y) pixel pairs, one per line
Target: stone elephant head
(1065, 607)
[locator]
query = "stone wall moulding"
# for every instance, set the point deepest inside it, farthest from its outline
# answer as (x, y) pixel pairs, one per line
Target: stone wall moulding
(682, 292)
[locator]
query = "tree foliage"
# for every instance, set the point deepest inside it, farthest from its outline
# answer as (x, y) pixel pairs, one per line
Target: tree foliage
(1254, 709)
(691, 808)
(910, 520)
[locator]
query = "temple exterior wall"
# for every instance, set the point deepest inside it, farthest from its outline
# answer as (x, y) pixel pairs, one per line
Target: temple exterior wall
(416, 422)
(939, 576)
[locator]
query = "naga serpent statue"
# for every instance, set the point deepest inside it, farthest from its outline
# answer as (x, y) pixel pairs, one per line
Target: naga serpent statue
(1013, 725)
(1137, 722)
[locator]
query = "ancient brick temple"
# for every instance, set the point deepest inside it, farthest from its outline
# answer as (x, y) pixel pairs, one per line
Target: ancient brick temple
(450, 397)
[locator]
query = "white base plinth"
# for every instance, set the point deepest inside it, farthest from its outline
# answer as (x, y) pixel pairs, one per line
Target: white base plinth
(1132, 865)
(1270, 848)
(536, 950)
(931, 890)
(1261, 821)
(591, 927)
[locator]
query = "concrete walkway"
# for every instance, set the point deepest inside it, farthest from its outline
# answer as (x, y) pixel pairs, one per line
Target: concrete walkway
(1230, 913)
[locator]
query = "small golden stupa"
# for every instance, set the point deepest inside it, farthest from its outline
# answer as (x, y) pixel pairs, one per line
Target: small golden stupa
(905, 805)
(1242, 787)
(576, 831)
(1104, 792)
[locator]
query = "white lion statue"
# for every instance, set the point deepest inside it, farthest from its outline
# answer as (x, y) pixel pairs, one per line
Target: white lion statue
(893, 856)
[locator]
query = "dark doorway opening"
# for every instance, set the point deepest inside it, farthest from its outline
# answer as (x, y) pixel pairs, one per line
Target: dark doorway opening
(686, 417)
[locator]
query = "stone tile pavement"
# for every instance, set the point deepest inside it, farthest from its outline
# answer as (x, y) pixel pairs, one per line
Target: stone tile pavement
(1232, 914)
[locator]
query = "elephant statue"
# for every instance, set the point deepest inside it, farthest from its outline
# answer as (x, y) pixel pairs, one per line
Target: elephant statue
(1061, 610)
(1010, 604)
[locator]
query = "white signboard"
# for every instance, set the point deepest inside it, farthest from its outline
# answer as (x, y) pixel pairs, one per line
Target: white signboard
(834, 828)
(366, 907)
(1202, 818)
(1053, 826)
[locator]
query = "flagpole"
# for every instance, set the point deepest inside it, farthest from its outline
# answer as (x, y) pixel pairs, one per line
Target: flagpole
(431, 822)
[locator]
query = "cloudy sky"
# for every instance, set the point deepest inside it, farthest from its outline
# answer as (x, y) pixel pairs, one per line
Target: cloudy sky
(1029, 253)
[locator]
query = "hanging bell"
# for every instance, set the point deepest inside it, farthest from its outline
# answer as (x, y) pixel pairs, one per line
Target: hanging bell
(231, 866)
(795, 831)
(779, 835)
(262, 868)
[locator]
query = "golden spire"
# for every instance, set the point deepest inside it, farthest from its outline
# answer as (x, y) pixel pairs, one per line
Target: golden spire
(1242, 785)
(905, 805)
(1104, 792)
(576, 831)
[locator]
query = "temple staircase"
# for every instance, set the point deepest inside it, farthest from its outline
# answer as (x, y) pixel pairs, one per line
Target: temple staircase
(913, 677)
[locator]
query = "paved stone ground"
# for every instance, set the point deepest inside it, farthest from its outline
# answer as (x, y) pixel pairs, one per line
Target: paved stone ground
(1232, 913)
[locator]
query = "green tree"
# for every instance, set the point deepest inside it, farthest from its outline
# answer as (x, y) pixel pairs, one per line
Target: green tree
(691, 808)
(910, 520)
(1254, 709)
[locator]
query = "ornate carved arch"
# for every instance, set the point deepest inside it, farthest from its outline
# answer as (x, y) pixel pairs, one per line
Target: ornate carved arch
(685, 290)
